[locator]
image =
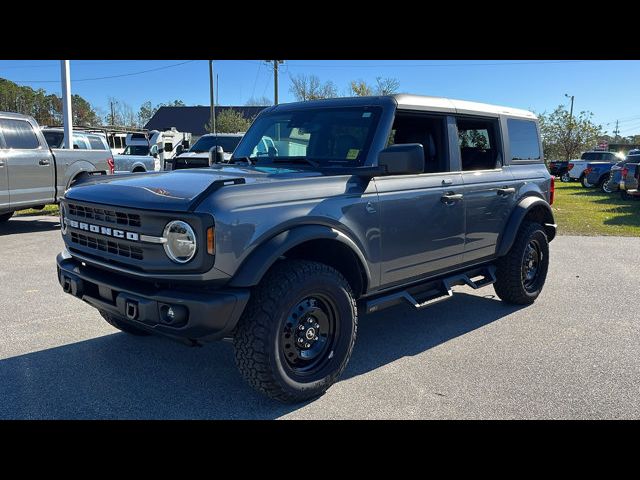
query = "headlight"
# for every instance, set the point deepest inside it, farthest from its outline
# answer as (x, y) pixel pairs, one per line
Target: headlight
(63, 218)
(181, 241)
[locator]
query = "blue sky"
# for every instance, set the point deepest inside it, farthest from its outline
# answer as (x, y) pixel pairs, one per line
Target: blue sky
(607, 88)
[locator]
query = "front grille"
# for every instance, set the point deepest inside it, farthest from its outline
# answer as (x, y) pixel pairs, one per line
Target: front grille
(105, 215)
(109, 246)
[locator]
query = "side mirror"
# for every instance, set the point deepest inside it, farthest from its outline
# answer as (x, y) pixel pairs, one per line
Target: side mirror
(406, 158)
(216, 155)
(179, 149)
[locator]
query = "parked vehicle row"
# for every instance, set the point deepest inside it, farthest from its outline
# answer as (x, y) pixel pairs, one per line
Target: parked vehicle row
(34, 173)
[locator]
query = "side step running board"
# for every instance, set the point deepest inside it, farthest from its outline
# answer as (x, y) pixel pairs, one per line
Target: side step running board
(433, 291)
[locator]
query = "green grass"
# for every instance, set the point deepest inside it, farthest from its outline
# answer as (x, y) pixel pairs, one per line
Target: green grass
(589, 211)
(577, 211)
(48, 210)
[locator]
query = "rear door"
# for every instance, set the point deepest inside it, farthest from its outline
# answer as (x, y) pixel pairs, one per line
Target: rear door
(30, 166)
(4, 177)
(489, 186)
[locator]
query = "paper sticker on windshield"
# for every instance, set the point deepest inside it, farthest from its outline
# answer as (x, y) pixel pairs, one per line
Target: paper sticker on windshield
(352, 154)
(366, 114)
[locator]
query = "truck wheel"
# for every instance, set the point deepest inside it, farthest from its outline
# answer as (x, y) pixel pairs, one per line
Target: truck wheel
(521, 273)
(296, 335)
(123, 326)
(5, 216)
(605, 184)
(585, 183)
(565, 178)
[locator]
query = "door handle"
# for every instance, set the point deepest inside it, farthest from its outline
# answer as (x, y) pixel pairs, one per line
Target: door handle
(44, 162)
(451, 198)
(503, 192)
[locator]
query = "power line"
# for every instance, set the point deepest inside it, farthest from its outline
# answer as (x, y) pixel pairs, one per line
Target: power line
(108, 76)
(532, 62)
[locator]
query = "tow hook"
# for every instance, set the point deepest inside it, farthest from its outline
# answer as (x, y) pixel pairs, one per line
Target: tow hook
(131, 309)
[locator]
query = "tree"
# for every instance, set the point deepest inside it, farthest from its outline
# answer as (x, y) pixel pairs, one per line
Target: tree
(565, 137)
(360, 88)
(310, 87)
(230, 121)
(258, 102)
(147, 110)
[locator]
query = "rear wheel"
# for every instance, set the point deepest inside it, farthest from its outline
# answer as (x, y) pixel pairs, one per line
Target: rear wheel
(565, 178)
(122, 325)
(297, 333)
(605, 184)
(5, 216)
(139, 170)
(521, 273)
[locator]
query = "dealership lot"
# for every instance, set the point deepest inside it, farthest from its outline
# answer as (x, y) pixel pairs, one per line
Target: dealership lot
(574, 354)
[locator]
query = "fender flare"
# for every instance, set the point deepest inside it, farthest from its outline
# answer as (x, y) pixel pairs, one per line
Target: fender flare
(77, 168)
(262, 258)
(521, 210)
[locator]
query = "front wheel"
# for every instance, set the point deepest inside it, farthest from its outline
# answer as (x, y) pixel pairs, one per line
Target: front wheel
(521, 273)
(297, 333)
(5, 216)
(565, 178)
(585, 182)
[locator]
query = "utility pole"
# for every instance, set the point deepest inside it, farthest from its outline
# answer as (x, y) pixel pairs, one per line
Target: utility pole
(217, 89)
(275, 79)
(113, 115)
(571, 111)
(212, 120)
(616, 131)
(66, 104)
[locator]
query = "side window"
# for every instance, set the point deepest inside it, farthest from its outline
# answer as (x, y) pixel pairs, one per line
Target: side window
(523, 137)
(478, 142)
(96, 143)
(19, 134)
(429, 131)
(79, 143)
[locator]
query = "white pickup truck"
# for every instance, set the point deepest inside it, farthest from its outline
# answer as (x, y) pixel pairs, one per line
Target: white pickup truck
(32, 174)
(577, 166)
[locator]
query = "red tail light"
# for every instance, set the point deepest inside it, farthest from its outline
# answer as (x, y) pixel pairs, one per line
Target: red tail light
(570, 166)
(112, 166)
(552, 191)
(587, 171)
(625, 172)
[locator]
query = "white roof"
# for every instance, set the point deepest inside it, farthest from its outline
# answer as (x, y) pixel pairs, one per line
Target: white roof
(441, 104)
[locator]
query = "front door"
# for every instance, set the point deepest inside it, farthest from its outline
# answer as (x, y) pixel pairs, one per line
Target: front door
(30, 167)
(421, 216)
(4, 180)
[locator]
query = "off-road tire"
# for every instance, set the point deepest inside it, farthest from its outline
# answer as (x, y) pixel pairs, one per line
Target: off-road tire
(5, 216)
(258, 341)
(122, 325)
(509, 285)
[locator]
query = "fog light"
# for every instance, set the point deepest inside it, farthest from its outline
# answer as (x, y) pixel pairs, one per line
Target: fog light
(174, 315)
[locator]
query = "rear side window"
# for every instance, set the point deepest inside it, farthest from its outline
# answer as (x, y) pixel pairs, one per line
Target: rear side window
(523, 136)
(96, 143)
(19, 134)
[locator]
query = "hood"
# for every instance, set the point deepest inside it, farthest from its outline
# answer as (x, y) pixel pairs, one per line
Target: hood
(227, 156)
(173, 191)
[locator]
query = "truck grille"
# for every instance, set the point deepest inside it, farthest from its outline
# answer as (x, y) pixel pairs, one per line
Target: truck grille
(110, 246)
(104, 215)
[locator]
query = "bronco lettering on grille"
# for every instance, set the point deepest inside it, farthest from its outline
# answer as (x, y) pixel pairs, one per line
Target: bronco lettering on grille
(110, 232)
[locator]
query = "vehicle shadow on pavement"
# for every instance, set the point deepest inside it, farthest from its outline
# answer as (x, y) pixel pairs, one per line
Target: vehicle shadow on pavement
(29, 225)
(121, 376)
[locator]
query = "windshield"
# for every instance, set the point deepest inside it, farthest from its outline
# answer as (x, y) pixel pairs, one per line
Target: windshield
(136, 150)
(334, 135)
(204, 144)
(54, 139)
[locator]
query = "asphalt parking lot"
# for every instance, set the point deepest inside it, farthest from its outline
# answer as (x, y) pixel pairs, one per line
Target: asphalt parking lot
(574, 354)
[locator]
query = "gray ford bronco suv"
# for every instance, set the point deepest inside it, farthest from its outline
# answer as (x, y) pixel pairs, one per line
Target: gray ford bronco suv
(359, 204)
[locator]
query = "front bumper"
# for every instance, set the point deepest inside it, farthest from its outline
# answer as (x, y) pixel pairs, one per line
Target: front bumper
(210, 314)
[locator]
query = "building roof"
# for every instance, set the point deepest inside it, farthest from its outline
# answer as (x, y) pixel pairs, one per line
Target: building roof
(192, 119)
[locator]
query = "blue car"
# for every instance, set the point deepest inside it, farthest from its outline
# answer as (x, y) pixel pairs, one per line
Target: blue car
(598, 175)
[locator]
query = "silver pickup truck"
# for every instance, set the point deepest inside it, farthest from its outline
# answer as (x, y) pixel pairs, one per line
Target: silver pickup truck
(31, 173)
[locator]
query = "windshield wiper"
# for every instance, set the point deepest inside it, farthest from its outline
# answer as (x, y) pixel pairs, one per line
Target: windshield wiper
(297, 160)
(241, 159)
